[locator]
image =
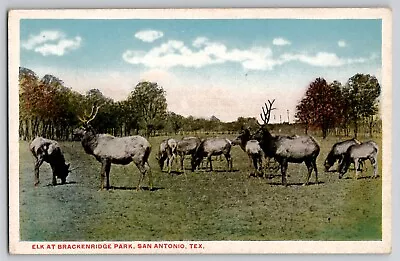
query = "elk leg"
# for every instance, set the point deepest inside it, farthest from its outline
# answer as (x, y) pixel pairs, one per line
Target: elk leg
(356, 167)
(254, 158)
(260, 169)
(148, 170)
(374, 163)
(54, 179)
(229, 161)
(314, 163)
(340, 162)
(102, 173)
(309, 168)
(38, 163)
(143, 168)
(107, 170)
(170, 159)
(284, 165)
(182, 159)
(209, 160)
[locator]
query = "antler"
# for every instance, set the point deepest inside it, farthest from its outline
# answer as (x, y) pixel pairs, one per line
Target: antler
(267, 111)
(88, 118)
(94, 115)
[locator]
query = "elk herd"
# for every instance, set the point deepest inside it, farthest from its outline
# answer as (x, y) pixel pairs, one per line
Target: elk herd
(259, 146)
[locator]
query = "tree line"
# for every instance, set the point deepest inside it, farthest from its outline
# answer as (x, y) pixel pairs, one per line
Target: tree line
(50, 109)
(331, 106)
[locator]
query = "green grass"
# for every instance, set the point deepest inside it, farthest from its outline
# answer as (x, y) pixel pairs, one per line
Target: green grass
(215, 205)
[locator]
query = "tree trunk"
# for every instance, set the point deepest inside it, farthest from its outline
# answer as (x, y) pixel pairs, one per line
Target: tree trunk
(355, 129)
(371, 125)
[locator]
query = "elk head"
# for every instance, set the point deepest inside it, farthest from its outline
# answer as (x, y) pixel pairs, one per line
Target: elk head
(244, 136)
(63, 172)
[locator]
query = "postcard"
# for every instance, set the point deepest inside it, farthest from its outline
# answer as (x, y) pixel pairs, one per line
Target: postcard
(200, 131)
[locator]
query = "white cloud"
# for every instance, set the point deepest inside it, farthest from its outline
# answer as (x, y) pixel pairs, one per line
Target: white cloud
(175, 53)
(51, 43)
(280, 41)
(59, 48)
(321, 59)
(200, 42)
(42, 37)
(342, 43)
(149, 35)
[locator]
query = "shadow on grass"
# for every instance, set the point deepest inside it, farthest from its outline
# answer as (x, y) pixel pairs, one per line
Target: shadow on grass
(295, 184)
(134, 188)
(331, 171)
(221, 170)
(363, 177)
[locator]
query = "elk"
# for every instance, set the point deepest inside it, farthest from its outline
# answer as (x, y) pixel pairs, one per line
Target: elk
(251, 147)
(108, 150)
(167, 152)
(49, 151)
(211, 147)
(285, 149)
(337, 153)
(186, 146)
(360, 152)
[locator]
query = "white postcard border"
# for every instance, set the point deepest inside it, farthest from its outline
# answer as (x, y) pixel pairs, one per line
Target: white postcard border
(208, 247)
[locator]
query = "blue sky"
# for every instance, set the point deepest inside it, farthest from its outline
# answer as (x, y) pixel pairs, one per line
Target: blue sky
(226, 68)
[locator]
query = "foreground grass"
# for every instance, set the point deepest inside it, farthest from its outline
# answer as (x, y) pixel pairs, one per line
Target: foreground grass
(215, 205)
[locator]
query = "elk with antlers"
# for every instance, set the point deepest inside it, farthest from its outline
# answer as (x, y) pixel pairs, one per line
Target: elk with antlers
(108, 149)
(285, 149)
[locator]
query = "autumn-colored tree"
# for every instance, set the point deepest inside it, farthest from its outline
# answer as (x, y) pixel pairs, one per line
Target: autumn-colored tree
(321, 106)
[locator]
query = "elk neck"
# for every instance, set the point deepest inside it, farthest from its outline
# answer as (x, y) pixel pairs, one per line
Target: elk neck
(58, 160)
(268, 142)
(244, 138)
(89, 141)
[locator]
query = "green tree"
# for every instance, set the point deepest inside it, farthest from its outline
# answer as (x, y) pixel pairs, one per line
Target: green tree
(175, 122)
(106, 120)
(362, 92)
(148, 99)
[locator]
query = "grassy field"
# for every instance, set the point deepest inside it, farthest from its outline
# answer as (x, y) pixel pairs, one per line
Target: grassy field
(215, 205)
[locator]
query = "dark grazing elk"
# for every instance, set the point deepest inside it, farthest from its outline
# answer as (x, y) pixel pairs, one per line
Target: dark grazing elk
(212, 147)
(167, 153)
(186, 146)
(50, 152)
(360, 152)
(337, 152)
(252, 148)
(108, 149)
(285, 149)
